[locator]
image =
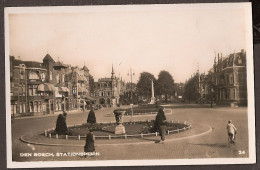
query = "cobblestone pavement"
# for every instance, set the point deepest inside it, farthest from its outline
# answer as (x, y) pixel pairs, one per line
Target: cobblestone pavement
(211, 145)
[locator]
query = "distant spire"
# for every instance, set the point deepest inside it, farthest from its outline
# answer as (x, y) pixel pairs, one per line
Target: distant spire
(112, 73)
(198, 68)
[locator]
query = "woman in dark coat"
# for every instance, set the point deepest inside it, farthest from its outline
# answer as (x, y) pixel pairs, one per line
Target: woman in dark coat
(89, 146)
(160, 124)
(159, 120)
(91, 116)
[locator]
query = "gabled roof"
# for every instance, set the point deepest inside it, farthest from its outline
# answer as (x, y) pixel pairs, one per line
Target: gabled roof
(59, 64)
(48, 58)
(85, 68)
(28, 63)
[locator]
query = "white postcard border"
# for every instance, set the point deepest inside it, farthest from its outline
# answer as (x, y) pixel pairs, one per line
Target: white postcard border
(250, 85)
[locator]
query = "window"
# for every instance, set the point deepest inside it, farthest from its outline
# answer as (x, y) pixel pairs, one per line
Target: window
(101, 93)
(39, 106)
(24, 109)
(22, 74)
(58, 78)
(35, 90)
(43, 76)
(30, 90)
(239, 60)
(231, 79)
(50, 75)
(58, 105)
(13, 109)
(35, 106)
(21, 108)
(74, 90)
(44, 107)
(203, 87)
(31, 107)
(63, 78)
(33, 75)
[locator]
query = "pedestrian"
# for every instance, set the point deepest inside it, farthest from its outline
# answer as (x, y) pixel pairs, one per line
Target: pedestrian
(160, 124)
(160, 117)
(231, 131)
(91, 116)
(89, 145)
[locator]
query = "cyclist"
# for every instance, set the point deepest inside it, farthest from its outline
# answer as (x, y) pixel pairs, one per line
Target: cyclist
(231, 130)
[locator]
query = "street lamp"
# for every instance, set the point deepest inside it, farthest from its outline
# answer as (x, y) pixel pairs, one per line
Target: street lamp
(131, 74)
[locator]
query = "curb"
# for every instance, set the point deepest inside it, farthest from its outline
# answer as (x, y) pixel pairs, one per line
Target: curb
(45, 116)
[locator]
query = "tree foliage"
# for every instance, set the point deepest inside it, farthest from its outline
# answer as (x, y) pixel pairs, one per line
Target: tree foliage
(165, 84)
(144, 84)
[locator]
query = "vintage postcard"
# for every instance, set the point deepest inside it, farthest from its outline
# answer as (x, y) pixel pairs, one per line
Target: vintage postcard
(129, 85)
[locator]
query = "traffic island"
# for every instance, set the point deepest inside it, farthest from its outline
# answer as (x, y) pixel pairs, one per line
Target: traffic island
(76, 141)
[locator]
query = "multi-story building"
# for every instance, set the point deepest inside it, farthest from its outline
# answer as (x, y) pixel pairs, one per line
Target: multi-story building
(107, 91)
(230, 79)
(44, 88)
(225, 83)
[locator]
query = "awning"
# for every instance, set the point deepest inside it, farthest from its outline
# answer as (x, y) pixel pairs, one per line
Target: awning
(65, 89)
(62, 89)
(49, 87)
(90, 98)
(46, 87)
(41, 87)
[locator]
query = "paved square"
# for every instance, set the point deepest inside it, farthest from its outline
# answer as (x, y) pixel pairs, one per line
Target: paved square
(210, 145)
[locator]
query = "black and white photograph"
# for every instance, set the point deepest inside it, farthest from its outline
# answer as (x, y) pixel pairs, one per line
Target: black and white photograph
(129, 85)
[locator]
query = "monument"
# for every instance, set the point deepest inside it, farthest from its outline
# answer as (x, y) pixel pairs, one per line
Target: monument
(120, 129)
(152, 98)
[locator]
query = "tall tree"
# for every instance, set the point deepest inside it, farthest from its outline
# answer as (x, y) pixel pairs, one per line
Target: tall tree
(144, 86)
(165, 84)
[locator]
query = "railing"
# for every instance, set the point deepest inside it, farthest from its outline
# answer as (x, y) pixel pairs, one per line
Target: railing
(109, 137)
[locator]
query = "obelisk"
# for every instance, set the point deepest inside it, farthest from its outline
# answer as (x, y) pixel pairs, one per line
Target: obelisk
(152, 98)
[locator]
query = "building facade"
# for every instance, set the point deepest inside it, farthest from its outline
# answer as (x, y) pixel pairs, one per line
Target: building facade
(107, 91)
(230, 79)
(225, 83)
(46, 88)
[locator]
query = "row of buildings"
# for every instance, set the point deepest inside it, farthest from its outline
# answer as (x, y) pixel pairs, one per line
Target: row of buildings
(49, 87)
(225, 83)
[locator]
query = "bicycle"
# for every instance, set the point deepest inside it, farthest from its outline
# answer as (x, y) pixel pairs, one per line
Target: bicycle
(231, 139)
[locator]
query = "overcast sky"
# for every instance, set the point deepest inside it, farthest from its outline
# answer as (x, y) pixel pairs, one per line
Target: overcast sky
(145, 38)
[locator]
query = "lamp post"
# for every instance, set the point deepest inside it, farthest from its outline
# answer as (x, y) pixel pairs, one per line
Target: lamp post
(131, 74)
